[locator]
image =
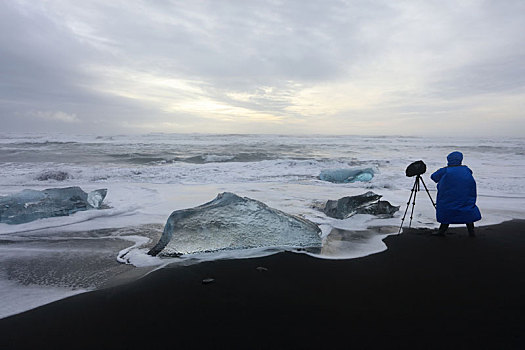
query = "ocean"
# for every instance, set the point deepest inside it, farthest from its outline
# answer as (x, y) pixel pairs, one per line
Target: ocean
(150, 176)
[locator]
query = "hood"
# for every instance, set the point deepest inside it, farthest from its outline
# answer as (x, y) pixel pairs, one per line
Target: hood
(455, 158)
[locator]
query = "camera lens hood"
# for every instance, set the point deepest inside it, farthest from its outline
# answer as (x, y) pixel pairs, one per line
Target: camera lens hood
(416, 168)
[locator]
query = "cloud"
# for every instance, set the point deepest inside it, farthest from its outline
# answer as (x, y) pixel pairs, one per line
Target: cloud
(56, 116)
(261, 66)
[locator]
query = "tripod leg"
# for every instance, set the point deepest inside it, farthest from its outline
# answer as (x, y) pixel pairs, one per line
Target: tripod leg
(429, 196)
(416, 188)
(408, 204)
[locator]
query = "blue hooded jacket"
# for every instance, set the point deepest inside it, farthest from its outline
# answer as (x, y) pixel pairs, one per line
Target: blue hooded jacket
(456, 197)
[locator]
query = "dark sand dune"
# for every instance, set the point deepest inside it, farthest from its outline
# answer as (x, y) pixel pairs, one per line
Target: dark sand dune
(423, 292)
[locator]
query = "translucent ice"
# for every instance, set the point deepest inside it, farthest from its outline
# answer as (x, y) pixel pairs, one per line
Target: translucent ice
(233, 222)
(30, 205)
(367, 203)
(347, 175)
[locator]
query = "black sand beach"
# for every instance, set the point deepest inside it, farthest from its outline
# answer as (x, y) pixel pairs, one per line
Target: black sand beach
(423, 292)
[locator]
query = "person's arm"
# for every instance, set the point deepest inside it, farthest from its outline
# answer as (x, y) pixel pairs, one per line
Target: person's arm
(438, 175)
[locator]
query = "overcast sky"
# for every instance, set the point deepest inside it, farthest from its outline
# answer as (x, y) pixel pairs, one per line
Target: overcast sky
(288, 67)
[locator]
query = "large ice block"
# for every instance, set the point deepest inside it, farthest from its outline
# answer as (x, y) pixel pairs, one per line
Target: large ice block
(233, 222)
(30, 205)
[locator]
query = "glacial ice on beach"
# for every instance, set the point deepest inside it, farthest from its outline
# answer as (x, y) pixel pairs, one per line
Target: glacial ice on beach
(57, 175)
(367, 203)
(233, 222)
(30, 205)
(347, 175)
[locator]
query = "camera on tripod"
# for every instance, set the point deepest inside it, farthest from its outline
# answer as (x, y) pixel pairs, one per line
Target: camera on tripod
(416, 169)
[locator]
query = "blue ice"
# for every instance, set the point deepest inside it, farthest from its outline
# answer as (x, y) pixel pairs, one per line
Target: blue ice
(30, 205)
(347, 175)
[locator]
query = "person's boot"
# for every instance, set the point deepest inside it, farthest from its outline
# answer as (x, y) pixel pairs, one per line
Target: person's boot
(470, 228)
(441, 231)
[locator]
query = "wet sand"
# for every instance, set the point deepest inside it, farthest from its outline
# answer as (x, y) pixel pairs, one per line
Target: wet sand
(423, 292)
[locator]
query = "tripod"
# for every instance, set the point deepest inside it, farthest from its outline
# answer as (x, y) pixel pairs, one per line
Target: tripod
(413, 192)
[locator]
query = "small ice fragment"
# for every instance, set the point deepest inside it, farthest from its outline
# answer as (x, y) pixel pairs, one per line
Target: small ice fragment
(96, 197)
(56, 175)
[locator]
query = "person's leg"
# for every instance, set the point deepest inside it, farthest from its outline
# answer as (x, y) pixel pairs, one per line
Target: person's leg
(442, 229)
(470, 228)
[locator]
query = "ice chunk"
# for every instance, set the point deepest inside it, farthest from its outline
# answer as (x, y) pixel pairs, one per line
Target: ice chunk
(347, 175)
(367, 203)
(56, 175)
(30, 205)
(233, 222)
(95, 198)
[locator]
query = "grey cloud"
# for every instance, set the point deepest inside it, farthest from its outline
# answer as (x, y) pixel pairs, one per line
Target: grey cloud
(37, 59)
(47, 50)
(224, 39)
(42, 65)
(506, 75)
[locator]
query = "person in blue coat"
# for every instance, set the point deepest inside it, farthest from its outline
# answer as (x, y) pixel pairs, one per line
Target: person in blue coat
(456, 197)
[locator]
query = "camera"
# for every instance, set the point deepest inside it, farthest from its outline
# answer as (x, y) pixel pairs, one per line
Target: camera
(416, 168)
